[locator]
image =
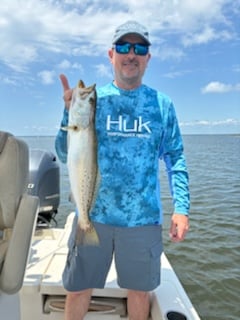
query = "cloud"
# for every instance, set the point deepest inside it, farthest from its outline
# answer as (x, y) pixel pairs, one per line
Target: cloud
(74, 27)
(219, 87)
(66, 64)
(7, 80)
(176, 74)
(47, 77)
(39, 130)
(165, 52)
(205, 36)
(208, 123)
(103, 71)
(236, 68)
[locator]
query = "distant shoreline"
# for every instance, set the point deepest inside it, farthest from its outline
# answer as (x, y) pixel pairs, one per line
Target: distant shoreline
(183, 134)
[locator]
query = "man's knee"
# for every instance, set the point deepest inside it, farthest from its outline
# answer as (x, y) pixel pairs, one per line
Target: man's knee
(76, 294)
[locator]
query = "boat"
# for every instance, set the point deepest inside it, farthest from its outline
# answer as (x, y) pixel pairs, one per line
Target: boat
(31, 287)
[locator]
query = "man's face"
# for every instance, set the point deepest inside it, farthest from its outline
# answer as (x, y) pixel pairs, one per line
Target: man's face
(129, 68)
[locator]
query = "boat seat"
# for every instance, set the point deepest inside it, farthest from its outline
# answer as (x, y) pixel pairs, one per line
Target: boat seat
(18, 212)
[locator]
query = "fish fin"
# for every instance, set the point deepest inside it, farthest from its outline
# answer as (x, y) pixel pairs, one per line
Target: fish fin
(71, 198)
(82, 85)
(91, 237)
(87, 237)
(73, 127)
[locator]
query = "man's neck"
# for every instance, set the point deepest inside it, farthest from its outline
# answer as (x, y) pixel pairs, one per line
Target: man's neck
(126, 85)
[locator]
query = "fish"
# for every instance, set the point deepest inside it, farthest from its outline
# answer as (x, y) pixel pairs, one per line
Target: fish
(82, 159)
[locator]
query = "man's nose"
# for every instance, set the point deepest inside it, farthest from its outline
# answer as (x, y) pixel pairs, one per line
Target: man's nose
(131, 52)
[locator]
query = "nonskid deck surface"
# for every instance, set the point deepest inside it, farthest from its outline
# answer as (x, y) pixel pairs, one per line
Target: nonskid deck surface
(43, 296)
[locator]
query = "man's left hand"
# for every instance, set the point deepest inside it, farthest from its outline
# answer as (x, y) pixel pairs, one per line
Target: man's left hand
(179, 227)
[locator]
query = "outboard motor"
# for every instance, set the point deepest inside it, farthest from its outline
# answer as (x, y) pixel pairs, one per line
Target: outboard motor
(44, 182)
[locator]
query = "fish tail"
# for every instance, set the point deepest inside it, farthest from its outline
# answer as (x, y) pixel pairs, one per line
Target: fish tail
(87, 237)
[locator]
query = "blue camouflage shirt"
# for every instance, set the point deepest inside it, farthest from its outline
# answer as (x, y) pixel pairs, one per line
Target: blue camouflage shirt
(135, 128)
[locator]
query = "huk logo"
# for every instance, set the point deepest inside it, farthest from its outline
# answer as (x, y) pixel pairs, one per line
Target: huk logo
(135, 127)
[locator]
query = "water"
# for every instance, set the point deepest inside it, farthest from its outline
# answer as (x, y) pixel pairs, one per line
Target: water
(207, 262)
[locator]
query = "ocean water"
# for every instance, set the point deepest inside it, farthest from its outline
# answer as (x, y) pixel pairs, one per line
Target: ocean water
(208, 261)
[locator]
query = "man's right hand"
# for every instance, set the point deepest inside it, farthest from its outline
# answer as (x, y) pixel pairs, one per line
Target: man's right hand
(67, 91)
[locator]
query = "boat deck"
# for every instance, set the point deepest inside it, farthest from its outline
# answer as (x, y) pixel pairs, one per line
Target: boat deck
(42, 296)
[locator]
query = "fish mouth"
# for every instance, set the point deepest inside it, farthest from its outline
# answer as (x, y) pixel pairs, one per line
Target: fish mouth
(87, 90)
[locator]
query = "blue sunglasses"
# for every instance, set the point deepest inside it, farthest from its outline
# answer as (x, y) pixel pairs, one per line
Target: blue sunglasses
(138, 48)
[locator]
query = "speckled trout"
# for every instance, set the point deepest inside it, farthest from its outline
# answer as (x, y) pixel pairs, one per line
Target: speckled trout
(82, 159)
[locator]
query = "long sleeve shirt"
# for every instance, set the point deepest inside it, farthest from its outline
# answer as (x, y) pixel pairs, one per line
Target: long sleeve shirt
(135, 129)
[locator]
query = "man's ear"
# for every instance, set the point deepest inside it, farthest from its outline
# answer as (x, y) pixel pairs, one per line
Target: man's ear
(149, 56)
(110, 54)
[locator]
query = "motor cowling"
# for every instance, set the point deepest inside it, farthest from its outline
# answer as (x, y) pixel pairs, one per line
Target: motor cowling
(44, 182)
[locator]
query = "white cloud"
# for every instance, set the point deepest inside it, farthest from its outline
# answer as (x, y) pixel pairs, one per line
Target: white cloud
(28, 29)
(236, 68)
(176, 74)
(208, 123)
(47, 77)
(103, 71)
(7, 80)
(205, 36)
(166, 52)
(219, 87)
(65, 64)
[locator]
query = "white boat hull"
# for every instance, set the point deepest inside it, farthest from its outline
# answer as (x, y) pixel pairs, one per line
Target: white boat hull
(42, 295)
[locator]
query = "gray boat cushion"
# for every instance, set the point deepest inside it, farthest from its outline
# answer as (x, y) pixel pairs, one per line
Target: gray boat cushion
(18, 212)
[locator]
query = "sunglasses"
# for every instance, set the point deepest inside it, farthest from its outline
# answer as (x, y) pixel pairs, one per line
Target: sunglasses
(138, 48)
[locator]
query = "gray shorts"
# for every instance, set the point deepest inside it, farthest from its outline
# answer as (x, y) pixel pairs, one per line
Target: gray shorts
(137, 252)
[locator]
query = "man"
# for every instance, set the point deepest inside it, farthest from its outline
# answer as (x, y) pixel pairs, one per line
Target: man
(136, 125)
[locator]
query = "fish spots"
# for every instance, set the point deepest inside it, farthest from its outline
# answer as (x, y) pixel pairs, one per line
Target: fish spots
(82, 158)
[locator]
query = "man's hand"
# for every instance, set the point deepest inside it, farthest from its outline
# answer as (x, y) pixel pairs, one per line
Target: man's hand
(179, 227)
(67, 91)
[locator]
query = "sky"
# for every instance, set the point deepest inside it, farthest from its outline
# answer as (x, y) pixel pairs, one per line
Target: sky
(195, 58)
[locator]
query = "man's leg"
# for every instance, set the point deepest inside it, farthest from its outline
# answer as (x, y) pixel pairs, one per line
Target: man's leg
(86, 268)
(77, 304)
(138, 305)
